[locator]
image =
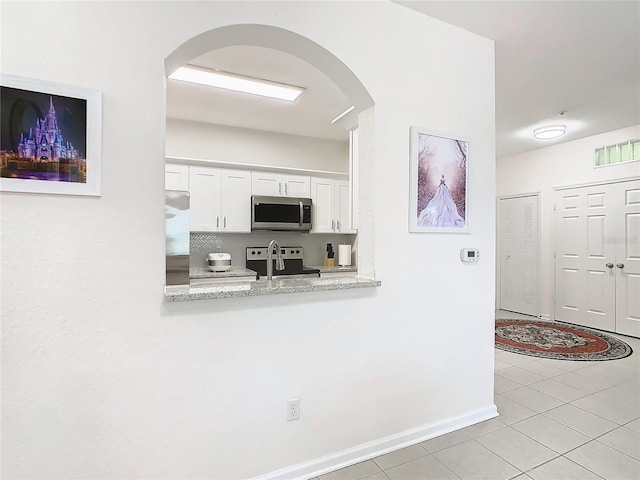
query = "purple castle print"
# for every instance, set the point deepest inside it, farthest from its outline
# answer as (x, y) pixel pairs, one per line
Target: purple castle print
(47, 143)
(37, 146)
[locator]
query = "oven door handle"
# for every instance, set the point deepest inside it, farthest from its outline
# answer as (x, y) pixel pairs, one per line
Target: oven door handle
(301, 213)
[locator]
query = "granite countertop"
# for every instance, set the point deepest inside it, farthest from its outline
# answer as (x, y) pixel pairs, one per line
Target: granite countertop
(180, 293)
(204, 272)
(336, 269)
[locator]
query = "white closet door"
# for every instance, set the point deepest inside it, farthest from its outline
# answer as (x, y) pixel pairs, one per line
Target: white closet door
(519, 254)
(627, 269)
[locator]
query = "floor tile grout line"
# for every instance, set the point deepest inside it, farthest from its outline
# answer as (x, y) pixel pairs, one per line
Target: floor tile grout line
(582, 433)
(536, 412)
(499, 456)
(559, 399)
(566, 458)
(550, 448)
(598, 415)
(586, 394)
(612, 447)
(558, 454)
(605, 388)
(542, 393)
(427, 453)
(571, 428)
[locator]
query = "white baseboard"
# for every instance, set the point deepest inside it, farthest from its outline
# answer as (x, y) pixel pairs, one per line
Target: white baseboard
(375, 448)
(545, 316)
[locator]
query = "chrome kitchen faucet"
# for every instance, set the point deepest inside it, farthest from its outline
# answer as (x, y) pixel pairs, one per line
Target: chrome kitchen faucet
(279, 261)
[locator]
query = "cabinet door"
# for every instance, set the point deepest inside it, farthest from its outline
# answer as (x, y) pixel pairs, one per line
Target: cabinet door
(343, 207)
(176, 177)
(296, 186)
(204, 190)
(236, 201)
(264, 183)
(322, 195)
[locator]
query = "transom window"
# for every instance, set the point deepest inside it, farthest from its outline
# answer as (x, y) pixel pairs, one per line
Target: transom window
(618, 153)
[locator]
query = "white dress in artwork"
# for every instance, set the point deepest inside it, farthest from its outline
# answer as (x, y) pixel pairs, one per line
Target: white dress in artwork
(441, 211)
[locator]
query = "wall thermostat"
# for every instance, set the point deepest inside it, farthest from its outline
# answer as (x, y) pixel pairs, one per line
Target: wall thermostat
(469, 255)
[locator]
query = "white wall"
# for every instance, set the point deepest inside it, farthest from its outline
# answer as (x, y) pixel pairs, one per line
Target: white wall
(564, 164)
(254, 147)
(102, 379)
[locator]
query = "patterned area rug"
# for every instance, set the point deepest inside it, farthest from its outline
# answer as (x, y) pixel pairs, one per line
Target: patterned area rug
(557, 340)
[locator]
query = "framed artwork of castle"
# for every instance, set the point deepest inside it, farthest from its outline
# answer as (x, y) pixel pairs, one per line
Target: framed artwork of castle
(50, 137)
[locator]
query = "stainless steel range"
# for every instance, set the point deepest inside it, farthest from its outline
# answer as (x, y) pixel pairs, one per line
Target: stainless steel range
(293, 263)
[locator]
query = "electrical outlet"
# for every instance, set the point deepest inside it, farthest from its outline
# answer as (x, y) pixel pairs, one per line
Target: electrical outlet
(293, 409)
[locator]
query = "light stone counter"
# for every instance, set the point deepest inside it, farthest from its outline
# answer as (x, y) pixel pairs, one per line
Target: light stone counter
(181, 293)
(202, 272)
(336, 269)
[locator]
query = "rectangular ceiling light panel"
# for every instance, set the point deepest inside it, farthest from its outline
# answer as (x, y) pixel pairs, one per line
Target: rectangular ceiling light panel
(237, 83)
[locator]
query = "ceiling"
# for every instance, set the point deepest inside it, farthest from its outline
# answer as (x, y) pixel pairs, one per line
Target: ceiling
(578, 57)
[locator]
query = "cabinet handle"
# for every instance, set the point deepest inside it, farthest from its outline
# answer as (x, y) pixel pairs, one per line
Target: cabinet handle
(217, 222)
(224, 222)
(609, 265)
(620, 265)
(338, 225)
(286, 189)
(333, 225)
(279, 188)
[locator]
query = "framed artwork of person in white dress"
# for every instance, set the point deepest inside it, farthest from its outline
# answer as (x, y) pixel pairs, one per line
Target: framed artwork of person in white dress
(439, 167)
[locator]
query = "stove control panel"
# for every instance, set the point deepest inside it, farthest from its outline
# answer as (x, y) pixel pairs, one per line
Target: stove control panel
(288, 253)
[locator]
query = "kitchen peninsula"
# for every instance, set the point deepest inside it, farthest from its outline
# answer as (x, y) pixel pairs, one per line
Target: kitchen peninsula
(247, 288)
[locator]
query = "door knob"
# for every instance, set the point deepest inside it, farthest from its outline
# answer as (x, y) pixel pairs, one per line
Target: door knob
(609, 265)
(620, 265)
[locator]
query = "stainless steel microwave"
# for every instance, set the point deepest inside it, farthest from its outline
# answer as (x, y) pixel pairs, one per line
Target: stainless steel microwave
(280, 213)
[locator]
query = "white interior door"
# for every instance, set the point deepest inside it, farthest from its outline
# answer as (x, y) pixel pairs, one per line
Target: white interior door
(519, 254)
(585, 276)
(597, 256)
(627, 268)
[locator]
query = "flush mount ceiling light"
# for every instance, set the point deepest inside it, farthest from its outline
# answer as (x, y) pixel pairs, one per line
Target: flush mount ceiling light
(237, 83)
(549, 132)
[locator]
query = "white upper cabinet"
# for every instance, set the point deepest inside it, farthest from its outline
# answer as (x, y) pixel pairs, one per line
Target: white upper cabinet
(176, 177)
(275, 184)
(331, 211)
(343, 208)
(236, 201)
(220, 200)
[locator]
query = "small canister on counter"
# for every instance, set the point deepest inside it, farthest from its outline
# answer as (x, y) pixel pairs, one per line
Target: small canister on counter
(219, 262)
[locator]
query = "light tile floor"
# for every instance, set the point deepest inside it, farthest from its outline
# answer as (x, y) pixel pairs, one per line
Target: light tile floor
(559, 420)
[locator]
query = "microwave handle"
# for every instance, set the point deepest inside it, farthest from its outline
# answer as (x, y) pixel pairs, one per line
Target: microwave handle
(301, 213)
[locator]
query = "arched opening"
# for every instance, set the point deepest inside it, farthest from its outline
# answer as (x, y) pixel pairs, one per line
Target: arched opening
(360, 118)
(277, 39)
